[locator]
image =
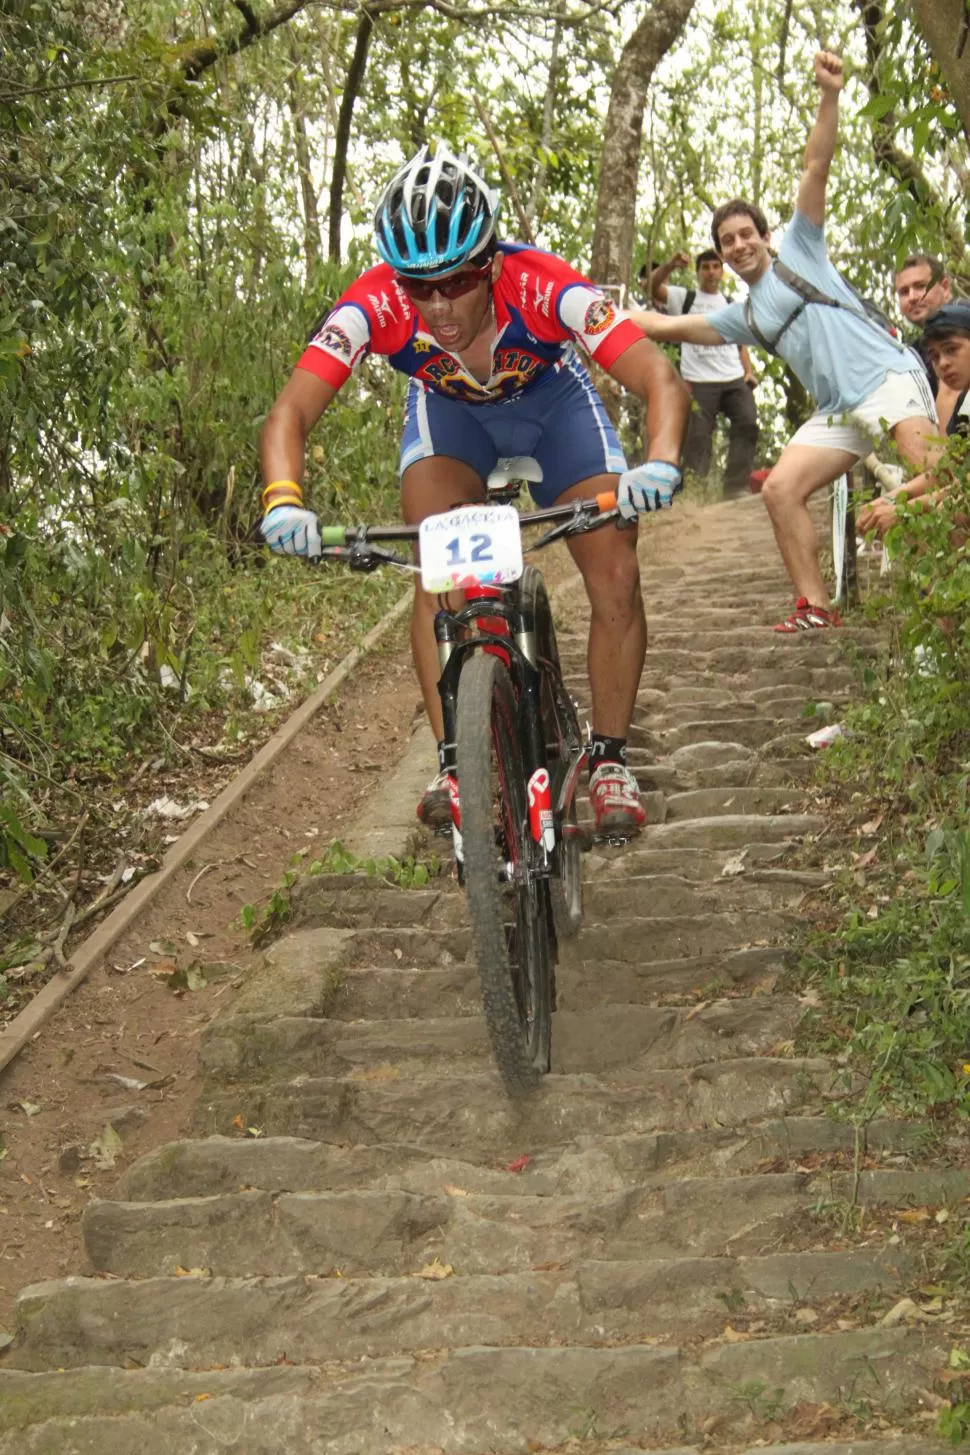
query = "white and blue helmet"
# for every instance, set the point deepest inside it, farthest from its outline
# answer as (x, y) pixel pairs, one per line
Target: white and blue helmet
(434, 215)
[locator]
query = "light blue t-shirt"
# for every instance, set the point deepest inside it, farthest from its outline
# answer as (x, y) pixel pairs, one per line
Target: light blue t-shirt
(839, 357)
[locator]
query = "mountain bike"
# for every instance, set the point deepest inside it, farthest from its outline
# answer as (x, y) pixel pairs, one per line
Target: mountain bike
(514, 750)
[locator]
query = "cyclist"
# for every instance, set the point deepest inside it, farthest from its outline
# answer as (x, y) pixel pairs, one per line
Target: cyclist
(486, 331)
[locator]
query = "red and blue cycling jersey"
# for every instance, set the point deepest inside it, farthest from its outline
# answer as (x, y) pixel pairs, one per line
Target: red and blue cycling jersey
(543, 308)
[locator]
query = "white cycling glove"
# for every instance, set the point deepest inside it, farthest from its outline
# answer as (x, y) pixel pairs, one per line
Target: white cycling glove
(289, 530)
(649, 487)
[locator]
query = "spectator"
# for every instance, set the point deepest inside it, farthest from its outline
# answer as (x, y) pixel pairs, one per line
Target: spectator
(946, 342)
(921, 288)
(864, 381)
(719, 376)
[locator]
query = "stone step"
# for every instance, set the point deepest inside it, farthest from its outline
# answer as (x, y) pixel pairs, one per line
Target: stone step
(592, 1166)
(311, 1318)
(471, 1116)
(675, 731)
(447, 1401)
(608, 1039)
(396, 1232)
(732, 831)
(713, 802)
(699, 863)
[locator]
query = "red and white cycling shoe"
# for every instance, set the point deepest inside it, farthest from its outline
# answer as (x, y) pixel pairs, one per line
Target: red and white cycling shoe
(434, 810)
(807, 618)
(614, 795)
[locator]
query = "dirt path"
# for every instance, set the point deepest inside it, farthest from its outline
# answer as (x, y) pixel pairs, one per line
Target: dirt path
(358, 1247)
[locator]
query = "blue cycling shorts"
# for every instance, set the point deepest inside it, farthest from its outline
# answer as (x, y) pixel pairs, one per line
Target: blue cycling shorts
(560, 421)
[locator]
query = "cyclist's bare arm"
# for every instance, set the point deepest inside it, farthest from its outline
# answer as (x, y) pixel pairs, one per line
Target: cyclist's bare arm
(689, 328)
(299, 405)
(644, 370)
(821, 144)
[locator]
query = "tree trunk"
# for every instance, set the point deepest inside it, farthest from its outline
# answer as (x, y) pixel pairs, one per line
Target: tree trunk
(311, 218)
(355, 79)
(946, 29)
(616, 200)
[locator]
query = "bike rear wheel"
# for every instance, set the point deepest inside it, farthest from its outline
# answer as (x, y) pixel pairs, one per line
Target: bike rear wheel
(508, 904)
(563, 739)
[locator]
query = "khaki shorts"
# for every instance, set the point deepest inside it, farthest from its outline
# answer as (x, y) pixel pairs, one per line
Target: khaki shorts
(899, 397)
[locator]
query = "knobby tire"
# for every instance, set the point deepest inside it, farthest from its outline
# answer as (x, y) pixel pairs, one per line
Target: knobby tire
(510, 921)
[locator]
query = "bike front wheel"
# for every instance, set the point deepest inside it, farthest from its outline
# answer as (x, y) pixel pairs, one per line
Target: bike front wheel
(508, 904)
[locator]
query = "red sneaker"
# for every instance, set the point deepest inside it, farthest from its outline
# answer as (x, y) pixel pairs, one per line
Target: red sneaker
(434, 810)
(806, 618)
(614, 795)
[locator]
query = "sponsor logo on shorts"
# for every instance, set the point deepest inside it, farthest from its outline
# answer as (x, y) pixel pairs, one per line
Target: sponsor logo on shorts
(600, 315)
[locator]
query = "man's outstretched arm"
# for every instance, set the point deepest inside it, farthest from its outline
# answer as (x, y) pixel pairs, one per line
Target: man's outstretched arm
(689, 328)
(821, 144)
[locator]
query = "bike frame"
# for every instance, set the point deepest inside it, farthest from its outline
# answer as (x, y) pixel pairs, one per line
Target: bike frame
(471, 628)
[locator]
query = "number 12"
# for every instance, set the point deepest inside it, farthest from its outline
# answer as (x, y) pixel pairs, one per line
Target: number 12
(481, 550)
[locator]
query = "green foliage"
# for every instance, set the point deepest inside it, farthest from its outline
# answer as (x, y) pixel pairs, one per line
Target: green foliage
(264, 922)
(895, 972)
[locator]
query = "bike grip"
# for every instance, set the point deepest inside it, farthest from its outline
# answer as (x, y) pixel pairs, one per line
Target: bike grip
(333, 535)
(606, 500)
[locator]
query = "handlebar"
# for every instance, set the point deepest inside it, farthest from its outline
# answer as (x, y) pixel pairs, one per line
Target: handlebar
(358, 545)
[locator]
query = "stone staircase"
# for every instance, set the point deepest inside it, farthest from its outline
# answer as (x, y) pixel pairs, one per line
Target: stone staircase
(394, 1260)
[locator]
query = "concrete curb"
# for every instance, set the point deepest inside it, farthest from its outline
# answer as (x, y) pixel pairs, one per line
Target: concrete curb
(25, 1026)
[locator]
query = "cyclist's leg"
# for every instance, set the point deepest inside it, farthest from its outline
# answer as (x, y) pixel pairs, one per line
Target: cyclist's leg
(581, 456)
(430, 487)
(445, 460)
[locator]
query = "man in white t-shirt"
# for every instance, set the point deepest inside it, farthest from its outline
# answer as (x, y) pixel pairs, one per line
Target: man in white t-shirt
(719, 376)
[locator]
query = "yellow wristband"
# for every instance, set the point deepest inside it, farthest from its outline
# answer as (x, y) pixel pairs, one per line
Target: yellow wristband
(282, 492)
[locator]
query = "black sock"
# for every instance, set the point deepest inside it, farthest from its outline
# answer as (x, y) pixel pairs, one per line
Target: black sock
(606, 750)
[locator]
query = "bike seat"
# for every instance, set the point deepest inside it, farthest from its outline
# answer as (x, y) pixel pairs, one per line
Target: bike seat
(513, 467)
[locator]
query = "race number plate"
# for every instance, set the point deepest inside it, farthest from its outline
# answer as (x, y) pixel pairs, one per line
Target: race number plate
(479, 545)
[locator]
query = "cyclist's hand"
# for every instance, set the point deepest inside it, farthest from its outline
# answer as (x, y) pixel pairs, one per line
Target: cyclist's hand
(648, 487)
(290, 531)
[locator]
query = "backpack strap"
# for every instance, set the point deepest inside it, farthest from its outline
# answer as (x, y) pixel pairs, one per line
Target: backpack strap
(771, 345)
(689, 297)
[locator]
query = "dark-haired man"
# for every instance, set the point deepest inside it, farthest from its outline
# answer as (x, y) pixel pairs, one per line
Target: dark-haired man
(865, 382)
(719, 376)
(921, 288)
(946, 342)
(488, 333)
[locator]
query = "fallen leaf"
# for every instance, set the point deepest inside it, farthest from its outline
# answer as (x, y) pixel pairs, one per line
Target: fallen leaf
(905, 1309)
(192, 939)
(733, 1336)
(547, 1267)
(200, 1397)
(181, 1272)
(29, 1108)
(104, 1149)
(435, 1270)
(453, 1191)
(914, 1215)
(255, 1132)
(520, 1163)
(239, 1121)
(130, 1083)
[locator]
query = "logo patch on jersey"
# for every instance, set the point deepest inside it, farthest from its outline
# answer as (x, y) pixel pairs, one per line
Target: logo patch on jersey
(600, 316)
(542, 297)
(333, 338)
(421, 345)
(381, 306)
